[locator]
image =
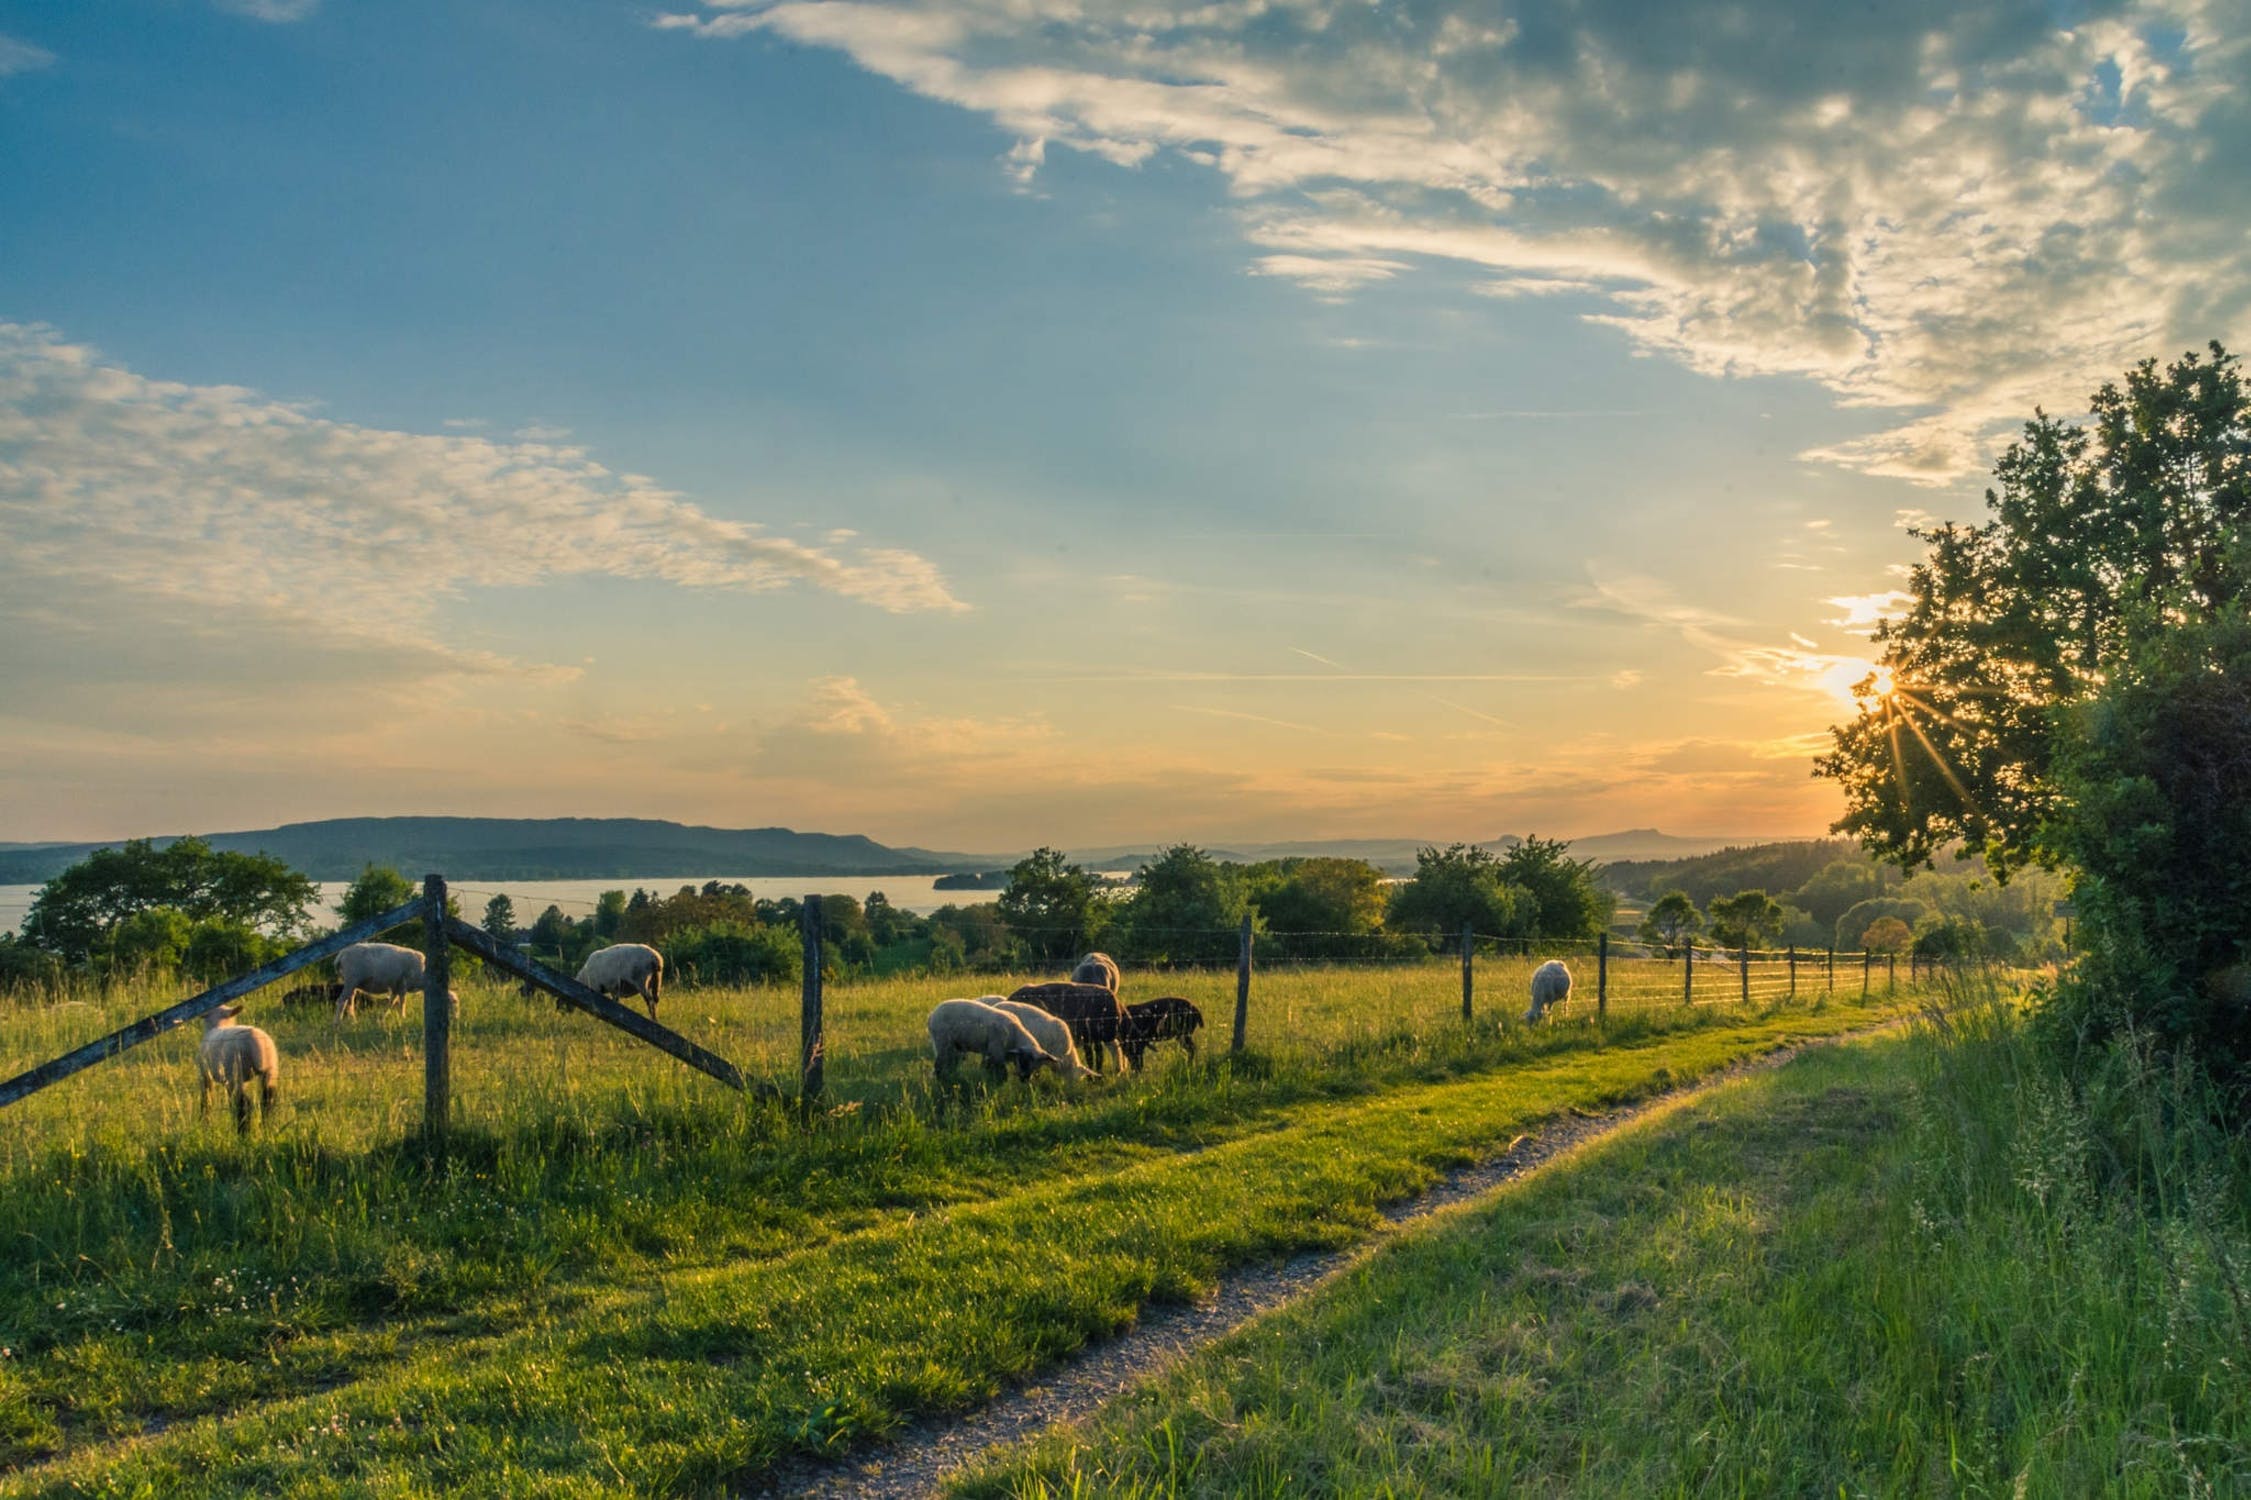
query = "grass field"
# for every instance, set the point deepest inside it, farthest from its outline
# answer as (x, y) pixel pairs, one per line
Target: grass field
(1920, 1265)
(625, 1279)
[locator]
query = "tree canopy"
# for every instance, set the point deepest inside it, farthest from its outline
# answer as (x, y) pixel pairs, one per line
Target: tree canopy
(2101, 537)
(78, 913)
(1051, 905)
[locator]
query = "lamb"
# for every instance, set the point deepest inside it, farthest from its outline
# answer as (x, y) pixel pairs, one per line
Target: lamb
(625, 969)
(959, 1028)
(1053, 1036)
(1092, 1012)
(1096, 968)
(379, 969)
(233, 1055)
(313, 994)
(1551, 985)
(1149, 1022)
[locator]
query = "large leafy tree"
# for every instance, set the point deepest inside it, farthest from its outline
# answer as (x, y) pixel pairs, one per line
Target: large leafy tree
(1568, 898)
(2101, 536)
(1051, 905)
(1186, 909)
(1460, 886)
(77, 913)
(2071, 685)
(1747, 919)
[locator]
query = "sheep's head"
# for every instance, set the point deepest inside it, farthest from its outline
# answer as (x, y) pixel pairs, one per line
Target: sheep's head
(220, 1015)
(1028, 1062)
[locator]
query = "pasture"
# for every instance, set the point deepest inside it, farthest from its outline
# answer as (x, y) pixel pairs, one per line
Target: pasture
(626, 1279)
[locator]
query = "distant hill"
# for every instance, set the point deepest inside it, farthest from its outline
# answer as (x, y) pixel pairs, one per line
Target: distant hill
(1397, 856)
(535, 849)
(1773, 867)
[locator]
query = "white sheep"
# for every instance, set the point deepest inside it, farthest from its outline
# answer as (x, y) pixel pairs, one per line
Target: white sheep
(625, 969)
(961, 1028)
(233, 1055)
(1097, 968)
(1551, 985)
(379, 969)
(1053, 1035)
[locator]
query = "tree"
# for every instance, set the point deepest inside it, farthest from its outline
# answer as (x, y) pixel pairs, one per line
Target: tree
(1460, 886)
(1886, 935)
(1322, 907)
(553, 937)
(1672, 920)
(2100, 539)
(1187, 909)
(1568, 899)
(1051, 905)
(609, 911)
(377, 889)
(1746, 919)
(1840, 885)
(75, 914)
(500, 919)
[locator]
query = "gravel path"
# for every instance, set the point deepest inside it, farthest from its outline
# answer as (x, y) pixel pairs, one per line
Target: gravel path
(923, 1455)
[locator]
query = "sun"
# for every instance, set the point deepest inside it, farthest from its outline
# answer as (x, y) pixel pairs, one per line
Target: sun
(1882, 685)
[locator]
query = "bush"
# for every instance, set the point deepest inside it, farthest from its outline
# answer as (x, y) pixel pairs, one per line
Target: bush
(734, 953)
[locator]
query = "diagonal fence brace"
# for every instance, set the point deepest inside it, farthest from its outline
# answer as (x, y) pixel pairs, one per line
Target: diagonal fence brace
(602, 1007)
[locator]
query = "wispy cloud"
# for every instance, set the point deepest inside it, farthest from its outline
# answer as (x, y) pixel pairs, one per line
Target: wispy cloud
(279, 12)
(211, 512)
(22, 57)
(1953, 211)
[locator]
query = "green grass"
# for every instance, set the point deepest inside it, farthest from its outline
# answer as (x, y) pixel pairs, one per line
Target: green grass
(1915, 1266)
(625, 1278)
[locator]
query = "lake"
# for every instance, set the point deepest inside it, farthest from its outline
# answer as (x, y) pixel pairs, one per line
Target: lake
(915, 893)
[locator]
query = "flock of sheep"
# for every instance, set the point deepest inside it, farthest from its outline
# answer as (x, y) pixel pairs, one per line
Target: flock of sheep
(1046, 1025)
(1039, 1026)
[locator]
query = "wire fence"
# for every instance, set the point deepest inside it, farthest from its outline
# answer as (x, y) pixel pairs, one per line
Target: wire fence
(1315, 999)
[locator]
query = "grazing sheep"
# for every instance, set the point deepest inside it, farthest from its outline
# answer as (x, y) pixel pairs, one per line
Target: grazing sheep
(233, 1055)
(379, 969)
(313, 994)
(1551, 985)
(1097, 968)
(1149, 1022)
(1092, 1012)
(960, 1028)
(625, 969)
(1053, 1036)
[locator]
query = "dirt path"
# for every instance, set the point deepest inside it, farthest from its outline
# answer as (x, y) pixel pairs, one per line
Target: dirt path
(925, 1454)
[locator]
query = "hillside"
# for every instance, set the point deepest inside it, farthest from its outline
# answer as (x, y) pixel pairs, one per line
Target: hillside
(537, 849)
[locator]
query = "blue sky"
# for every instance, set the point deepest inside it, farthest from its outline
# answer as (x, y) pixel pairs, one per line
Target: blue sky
(977, 424)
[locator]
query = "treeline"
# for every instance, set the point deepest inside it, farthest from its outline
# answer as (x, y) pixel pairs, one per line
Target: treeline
(1183, 907)
(189, 909)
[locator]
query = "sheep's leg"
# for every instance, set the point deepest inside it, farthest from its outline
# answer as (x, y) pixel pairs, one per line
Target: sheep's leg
(347, 1002)
(241, 1107)
(203, 1105)
(1189, 1042)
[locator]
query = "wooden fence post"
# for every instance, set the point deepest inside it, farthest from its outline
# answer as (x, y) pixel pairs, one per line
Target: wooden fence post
(810, 1052)
(1743, 967)
(1891, 974)
(1832, 984)
(1688, 973)
(1602, 978)
(1242, 985)
(437, 1012)
(1793, 971)
(1469, 974)
(1867, 961)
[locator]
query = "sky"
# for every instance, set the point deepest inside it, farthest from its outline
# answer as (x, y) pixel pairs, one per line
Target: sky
(979, 423)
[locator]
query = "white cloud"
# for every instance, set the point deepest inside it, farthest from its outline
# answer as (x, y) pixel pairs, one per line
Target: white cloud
(1863, 611)
(1952, 212)
(22, 57)
(141, 517)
